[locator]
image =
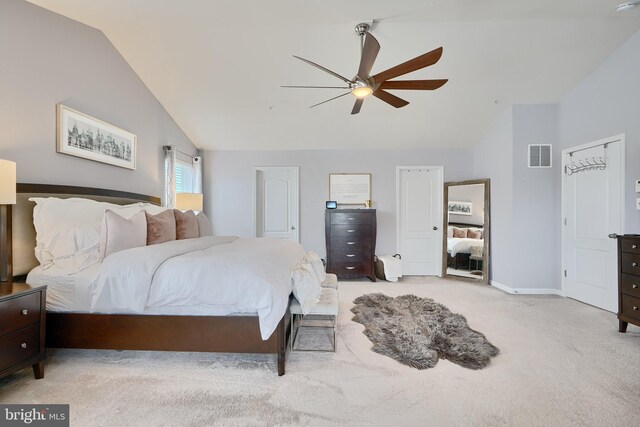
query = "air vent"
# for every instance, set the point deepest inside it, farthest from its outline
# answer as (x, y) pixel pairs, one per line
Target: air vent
(540, 156)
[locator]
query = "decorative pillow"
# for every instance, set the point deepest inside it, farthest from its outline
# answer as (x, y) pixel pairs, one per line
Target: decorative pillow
(474, 234)
(450, 231)
(459, 232)
(161, 228)
(186, 225)
(306, 287)
(120, 233)
(204, 226)
(316, 263)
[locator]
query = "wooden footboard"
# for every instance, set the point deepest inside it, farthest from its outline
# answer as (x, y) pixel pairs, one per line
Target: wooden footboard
(220, 334)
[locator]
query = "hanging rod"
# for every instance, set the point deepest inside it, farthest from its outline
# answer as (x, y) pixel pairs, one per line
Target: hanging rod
(178, 151)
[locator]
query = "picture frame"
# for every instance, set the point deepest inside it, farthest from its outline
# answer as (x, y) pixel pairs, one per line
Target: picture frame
(81, 135)
(350, 188)
(460, 208)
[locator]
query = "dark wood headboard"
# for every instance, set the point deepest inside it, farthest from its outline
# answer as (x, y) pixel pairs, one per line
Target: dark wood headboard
(461, 225)
(23, 235)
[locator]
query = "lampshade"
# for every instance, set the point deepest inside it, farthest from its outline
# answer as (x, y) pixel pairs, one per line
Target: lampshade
(189, 201)
(7, 182)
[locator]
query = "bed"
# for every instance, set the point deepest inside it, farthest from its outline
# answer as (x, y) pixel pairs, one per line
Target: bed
(460, 248)
(104, 306)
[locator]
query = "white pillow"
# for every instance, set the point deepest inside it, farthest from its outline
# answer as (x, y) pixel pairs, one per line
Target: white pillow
(316, 263)
(120, 233)
(306, 287)
(68, 230)
(204, 226)
(450, 231)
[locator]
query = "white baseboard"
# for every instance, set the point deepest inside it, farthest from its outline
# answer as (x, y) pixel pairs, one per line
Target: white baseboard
(525, 291)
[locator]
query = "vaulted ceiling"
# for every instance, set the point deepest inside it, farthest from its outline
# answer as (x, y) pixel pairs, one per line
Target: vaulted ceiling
(217, 65)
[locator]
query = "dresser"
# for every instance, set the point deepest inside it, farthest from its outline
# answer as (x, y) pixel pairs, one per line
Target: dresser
(350, 236)
(22, 328)
(628, 281)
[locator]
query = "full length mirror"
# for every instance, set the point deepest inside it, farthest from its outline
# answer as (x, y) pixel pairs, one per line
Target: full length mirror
(467, 224)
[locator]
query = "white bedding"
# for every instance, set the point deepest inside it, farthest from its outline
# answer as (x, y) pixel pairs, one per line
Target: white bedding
(456, 245)
(206, 276)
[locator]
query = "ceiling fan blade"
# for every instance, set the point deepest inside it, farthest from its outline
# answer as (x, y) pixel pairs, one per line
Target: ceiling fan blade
(413, 84)
(390, 99)
(318, 87)
(335, 97)
(344, 79)
(414, 64)
(369, 54)
(357, 106)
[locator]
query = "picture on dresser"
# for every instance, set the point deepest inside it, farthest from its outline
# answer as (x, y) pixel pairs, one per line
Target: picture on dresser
(350, 188)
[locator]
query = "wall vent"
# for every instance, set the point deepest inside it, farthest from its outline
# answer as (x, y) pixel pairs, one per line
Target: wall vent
(539, 155)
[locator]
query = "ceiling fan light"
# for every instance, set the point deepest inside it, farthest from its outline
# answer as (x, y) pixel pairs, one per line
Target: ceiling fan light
(362, 91)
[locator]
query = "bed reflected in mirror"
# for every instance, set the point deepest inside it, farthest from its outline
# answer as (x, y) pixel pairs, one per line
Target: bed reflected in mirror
(466, 221)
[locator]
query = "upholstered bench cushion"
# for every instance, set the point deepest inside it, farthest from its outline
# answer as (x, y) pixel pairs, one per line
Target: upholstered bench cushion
(327, 305)
(331, 281)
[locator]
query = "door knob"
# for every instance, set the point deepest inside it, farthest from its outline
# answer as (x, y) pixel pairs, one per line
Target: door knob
(613, 236)
(293, 227)
(435, 228)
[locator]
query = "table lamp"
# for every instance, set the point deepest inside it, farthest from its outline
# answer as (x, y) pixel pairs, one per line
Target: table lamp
(189, 201)
(7, 198)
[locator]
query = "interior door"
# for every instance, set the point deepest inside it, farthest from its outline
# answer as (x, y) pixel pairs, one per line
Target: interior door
(276, 203)
(419, 217)
(593, 207)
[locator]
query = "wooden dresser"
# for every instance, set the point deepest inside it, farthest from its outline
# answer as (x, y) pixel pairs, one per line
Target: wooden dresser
(628, 281)
(351, 242)
(22, 328)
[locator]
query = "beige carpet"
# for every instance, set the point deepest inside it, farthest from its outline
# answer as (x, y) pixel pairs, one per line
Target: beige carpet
(562, 363)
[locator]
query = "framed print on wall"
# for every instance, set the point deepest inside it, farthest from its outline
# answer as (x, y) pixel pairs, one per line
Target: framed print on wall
(350, 188)
(460, 208)
(84, 136)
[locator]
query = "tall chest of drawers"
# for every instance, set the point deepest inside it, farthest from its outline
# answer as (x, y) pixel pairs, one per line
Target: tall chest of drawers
(351, 242)
(628, 281)
(22, 328)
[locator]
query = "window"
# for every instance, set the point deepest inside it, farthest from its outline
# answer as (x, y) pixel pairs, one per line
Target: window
(184, 177)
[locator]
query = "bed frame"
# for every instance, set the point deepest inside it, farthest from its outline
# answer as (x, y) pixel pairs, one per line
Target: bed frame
(228, 334)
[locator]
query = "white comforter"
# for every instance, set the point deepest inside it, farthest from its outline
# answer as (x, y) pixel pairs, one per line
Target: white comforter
(457, 245)
(237, 275)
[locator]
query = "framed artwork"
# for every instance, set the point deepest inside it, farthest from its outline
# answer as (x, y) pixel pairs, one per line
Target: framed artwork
(350, 188)
(460, 208)
(83, 136)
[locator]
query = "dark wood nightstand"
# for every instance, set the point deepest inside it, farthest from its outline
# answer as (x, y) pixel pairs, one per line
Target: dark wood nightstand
(22, 328)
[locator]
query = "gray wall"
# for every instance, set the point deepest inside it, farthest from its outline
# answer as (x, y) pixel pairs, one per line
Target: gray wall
(607, 103)
(49, 59)
(229, 176)
(473, 193)
(492, 158)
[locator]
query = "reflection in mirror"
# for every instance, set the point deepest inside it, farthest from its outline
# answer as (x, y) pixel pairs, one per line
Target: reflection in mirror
(466, 241)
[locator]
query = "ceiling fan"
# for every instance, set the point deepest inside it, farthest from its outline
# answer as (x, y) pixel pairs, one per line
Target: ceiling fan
(364, 84)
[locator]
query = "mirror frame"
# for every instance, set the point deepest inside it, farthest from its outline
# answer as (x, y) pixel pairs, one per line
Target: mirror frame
(486, 226)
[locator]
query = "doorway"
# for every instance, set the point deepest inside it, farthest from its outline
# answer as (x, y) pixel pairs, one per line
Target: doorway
(275, 203)
(592, 208)
(419, 215)
(465, 245)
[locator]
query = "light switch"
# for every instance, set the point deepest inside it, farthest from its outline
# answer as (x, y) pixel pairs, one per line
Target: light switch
(637, 185)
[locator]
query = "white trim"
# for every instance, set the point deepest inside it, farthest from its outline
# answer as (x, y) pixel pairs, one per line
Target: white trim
(296, 175)
(525, 291)
(440, 208)
(563, 210)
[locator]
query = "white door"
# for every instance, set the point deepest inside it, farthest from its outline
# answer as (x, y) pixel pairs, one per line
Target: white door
(419, 219)
(593, 206)
(276, 203)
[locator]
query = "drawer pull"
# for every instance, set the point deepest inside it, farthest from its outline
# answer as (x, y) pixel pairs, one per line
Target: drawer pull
(352, 218)
(634, 307)
(23, 345)
(350, 231)
(350, 255)
(634, 246)
(634, 286)
(634, 264)
(351, 268)
(24, 312)
(351, 243)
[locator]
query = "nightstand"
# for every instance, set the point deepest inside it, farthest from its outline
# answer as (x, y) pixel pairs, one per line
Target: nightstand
(22, 328)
